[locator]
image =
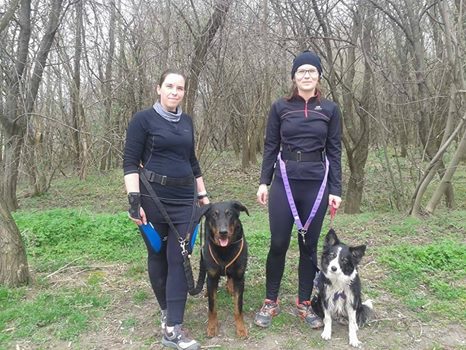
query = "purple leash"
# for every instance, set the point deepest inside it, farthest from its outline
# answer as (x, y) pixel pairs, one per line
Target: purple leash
(302, 230)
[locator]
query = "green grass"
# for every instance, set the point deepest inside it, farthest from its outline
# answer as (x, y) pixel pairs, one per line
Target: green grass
(54, 237)
(428, 277)
(62, 314)
(81, 225)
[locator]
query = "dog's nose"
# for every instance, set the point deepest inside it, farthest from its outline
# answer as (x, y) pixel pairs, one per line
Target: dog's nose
(334, 268)
(223, 232)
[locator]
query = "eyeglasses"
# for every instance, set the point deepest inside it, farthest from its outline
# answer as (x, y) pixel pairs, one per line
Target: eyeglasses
(302, 73)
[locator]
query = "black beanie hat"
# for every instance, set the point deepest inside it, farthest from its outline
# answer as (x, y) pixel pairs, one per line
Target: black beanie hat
(306, 57)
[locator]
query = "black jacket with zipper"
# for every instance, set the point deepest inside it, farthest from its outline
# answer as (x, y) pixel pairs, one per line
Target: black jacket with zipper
(297, 125)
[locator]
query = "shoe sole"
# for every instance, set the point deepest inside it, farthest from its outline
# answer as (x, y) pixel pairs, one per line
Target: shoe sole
(170, 344)
(266, 325)
(262, 325)
(320, 325)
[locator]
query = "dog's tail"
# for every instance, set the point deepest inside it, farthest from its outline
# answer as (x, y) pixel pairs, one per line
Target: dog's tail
(364, 313)
(201, 278)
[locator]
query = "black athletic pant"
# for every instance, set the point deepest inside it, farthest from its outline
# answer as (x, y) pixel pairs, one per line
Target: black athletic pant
(166, 274)
(281, 224)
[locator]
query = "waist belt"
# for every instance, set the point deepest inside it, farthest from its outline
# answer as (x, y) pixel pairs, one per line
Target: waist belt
(316, 156)
(166, 180)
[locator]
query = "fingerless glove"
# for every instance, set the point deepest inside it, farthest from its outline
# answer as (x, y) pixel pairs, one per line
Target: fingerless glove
(134, 199)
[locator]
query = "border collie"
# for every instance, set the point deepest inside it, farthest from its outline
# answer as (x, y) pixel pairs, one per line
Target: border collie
(339, 288)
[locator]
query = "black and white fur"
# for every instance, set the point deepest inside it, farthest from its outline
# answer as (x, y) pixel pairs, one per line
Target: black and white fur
(339, 288)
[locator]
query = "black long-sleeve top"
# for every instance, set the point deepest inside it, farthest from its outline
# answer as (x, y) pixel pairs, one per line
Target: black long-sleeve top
(297, 125)
(163, 147)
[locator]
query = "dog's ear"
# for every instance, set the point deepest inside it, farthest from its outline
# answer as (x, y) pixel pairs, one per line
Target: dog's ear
(358, 252)
(204, 210)
(331, 239)
(238, 206)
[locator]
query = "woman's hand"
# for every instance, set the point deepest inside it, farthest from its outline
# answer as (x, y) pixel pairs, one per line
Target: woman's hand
(204, 201)
(141, 220)
(262, 194)
(334, 201)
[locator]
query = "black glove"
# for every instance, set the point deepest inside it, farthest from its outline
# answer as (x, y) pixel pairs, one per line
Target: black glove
(134, 199)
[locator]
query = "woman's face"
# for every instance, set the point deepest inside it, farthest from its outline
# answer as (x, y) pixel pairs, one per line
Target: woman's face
(306, 78)
(171, 92)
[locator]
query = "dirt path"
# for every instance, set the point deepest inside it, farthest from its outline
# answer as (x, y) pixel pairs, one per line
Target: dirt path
(129, 325)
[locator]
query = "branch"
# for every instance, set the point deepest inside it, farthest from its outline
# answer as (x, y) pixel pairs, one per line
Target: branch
(8, 14)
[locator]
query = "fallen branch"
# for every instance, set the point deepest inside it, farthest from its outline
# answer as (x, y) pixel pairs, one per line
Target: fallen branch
(62, 268)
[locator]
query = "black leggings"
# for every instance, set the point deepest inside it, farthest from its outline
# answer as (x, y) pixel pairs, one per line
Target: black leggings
(281, 224)
(166, 272)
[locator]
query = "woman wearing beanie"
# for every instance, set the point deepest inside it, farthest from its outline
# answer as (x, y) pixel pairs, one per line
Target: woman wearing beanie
(302, 163)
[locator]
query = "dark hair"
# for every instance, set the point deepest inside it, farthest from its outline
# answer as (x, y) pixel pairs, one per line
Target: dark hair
(164, 74)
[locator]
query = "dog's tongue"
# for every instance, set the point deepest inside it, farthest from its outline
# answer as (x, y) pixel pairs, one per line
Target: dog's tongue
(223, 242)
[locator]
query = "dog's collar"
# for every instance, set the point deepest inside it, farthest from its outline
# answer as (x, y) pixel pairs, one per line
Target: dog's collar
(339, 295)
(233, 260)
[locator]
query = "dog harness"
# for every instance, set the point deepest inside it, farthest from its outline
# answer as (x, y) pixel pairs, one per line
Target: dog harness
(233, 260)
(338, 295)
(302, 229)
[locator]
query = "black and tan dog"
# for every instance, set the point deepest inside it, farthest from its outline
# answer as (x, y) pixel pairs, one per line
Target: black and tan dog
(225, 253)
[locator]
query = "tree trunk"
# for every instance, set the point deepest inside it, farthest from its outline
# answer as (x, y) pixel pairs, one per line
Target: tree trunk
(245, 161)
(14, 269)
(13, 125)
(355, 189)
(107, 159)
(430, 171)
(201, 49)
(13, 146)
(77, 110)
(446, 179)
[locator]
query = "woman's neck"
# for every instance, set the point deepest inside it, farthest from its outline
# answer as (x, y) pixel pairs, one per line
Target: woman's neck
(171, 110)
(307, 95)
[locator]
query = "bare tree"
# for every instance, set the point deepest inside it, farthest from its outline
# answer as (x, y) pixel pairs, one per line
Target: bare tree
(357, 106)
(201, 47)
(454, 73)
(78, 117)
(12, 253)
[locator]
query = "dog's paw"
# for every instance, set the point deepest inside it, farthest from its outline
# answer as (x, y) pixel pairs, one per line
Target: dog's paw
(241, 331)
(212, 329)
(326, 334)
(353, 341)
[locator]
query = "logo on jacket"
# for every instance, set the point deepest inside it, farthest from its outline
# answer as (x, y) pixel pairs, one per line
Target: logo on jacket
(318, 108)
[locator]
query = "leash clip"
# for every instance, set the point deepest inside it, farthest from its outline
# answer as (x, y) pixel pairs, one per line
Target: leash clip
(183, 243)
(302, 232)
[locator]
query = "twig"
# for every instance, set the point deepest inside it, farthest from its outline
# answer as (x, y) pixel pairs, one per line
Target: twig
(62, 268)
(387, 319)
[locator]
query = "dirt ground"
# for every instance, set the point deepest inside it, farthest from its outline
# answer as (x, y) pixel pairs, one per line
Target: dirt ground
(393, 326)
